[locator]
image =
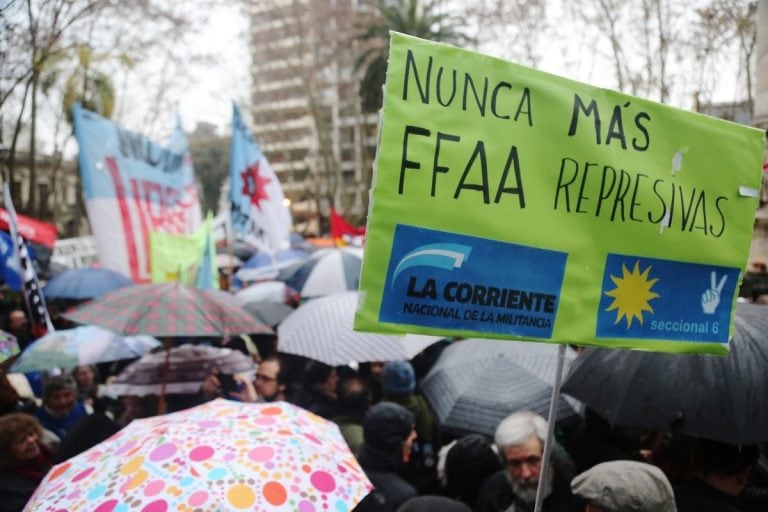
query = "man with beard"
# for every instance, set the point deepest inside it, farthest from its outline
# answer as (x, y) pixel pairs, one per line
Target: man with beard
(271, 380)
(520, 440)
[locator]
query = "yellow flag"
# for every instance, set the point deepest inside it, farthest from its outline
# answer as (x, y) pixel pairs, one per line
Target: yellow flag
(176, 257)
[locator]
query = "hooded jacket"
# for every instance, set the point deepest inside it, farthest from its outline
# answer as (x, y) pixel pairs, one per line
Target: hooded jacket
(385, 429)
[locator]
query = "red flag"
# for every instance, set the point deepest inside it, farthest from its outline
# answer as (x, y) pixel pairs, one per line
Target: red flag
(31, 229)
(344, 233)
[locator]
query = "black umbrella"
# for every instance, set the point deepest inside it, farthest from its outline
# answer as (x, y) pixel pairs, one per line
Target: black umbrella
(716, 397)
(476, 383)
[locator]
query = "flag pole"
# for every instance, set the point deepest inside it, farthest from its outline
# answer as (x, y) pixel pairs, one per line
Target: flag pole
(550, 427)
(34, 300)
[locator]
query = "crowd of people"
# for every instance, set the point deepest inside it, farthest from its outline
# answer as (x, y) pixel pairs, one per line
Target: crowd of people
(412, 463)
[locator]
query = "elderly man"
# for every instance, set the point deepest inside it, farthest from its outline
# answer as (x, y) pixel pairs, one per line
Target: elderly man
(520, 440)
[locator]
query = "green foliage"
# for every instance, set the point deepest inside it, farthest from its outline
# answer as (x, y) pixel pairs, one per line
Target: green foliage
(427, 19)
(211, 157)
(93, 89)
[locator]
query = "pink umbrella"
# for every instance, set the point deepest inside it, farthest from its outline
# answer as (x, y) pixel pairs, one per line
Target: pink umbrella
(221, 455)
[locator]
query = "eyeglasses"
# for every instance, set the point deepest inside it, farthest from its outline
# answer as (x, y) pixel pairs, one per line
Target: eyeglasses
(532, 461)
(265, 378)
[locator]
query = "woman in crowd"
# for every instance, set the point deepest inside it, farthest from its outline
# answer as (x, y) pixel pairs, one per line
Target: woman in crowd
(24, 460)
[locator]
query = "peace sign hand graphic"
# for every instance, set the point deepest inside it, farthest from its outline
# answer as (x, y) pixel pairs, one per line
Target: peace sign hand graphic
(710, 299)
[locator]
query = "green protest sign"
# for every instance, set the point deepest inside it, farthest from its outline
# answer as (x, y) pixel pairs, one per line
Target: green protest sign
(511, 203)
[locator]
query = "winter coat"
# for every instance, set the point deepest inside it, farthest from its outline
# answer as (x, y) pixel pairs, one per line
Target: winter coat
(60, 426)
(385, 428)
(18, 480)
(698, 496)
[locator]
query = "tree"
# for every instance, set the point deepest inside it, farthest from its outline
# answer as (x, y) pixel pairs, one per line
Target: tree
(211, 156)
(521, 25)
(33, 38)
(36, 36)
(426, 19)
(724, 23)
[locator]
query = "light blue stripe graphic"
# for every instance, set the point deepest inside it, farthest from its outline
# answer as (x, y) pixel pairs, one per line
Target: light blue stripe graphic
(445, 256)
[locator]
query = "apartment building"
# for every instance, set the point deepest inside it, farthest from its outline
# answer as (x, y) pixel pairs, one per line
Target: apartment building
(305, 106)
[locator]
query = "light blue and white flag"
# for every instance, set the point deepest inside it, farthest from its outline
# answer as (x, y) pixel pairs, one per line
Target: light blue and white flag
(258, 213)
(134, 186)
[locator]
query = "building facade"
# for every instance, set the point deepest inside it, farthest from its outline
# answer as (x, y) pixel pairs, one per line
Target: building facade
(57, 190)
(305, 107)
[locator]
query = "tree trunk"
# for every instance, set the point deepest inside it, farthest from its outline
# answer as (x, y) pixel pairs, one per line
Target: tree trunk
(31, 200)
(15, 139)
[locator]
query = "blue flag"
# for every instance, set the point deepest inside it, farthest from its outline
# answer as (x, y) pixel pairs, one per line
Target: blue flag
(9, 267)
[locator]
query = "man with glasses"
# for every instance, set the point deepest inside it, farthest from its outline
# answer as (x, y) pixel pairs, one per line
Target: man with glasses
(520, 441)
(270, 382)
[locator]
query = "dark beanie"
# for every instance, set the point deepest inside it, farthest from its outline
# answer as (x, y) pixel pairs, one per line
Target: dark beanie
(398, 378)
(468, 463)
(433, 503)
(387, 425)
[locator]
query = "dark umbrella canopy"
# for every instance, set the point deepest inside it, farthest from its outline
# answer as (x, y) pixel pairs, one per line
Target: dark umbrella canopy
(716, 397)
(476, 383)
(85, 283)
(169, 309)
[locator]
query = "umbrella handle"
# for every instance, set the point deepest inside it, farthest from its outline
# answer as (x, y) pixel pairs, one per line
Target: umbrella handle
(162, 405)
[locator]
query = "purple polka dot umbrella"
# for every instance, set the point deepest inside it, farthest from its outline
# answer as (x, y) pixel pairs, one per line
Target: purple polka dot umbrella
(168, 309)
(218, 456)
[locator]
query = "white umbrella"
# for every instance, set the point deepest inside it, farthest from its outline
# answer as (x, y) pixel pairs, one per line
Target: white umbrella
(80, 346)
(476, 383)
(227, 261)
(321, 329)
(325, 272)
(267, 291)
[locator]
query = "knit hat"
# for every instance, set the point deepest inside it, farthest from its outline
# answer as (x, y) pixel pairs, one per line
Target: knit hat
(387, 425)
(58, 383)
(625, 486)
(398, 378)
(468, 463)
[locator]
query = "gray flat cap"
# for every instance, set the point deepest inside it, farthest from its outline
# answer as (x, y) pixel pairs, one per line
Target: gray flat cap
(625, 486)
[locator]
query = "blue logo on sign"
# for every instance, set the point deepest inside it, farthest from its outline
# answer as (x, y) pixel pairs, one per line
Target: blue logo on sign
(451, 281)
(446, 256)
(665, 300)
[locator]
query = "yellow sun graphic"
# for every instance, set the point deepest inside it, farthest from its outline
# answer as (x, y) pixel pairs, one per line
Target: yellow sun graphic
(632, 294)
